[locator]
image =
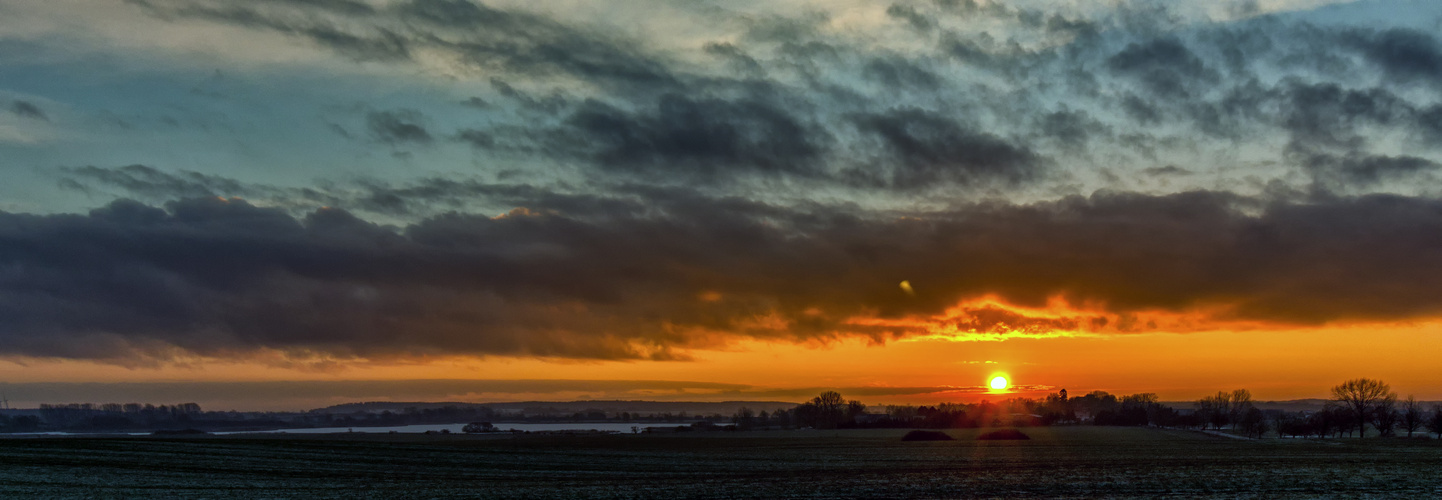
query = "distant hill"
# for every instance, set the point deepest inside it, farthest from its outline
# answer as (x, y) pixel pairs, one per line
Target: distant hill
(568, 407)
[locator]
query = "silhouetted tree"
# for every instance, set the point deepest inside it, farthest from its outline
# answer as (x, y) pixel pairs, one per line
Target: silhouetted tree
(1434, 423)
(904, 416)
(1385, 418)
(1345, 419)
(1322, 422)
(1094, 403)
(1215, 410)
(1291, 424)
(1135, 409)
(1191, 420)
(1239, 404)
(1412, 416)
(1253, 422)
(477, 427)
(1362, 397)
(825, 411)
(854, 409)
(744, 418)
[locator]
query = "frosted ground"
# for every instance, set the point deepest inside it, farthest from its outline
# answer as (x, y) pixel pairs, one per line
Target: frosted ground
(1056, 462)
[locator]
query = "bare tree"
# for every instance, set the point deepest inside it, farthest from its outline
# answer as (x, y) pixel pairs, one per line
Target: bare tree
(1385, 417)
(1361, 397)
(824, 411)
(1322, 422)
(1240, 403)
(1253, 423)
(854, 409)
(1412, 416)
(1434, 424)
(1215, 410)
(744, 418)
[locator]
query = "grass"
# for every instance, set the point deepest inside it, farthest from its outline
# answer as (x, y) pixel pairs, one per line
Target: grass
(1057, 461)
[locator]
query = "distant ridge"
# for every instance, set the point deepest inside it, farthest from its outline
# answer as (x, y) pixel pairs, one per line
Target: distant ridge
(613, 406)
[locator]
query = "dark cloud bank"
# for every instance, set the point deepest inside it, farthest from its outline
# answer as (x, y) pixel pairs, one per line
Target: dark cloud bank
(654, 275)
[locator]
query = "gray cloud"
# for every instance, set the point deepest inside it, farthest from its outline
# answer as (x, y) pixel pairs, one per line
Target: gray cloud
(899, 73)
(1327, 114)
(551, 104)
(478, 34)
(1071, 128)
(398, 127)
(1404, 54)
(737, 57)
(1362, 171)
(1429, 124)
(419, 197)
(28, 110)
(1166, 171)
(476, 138)
(152, 184)
(930, 149)
(142, 180)
(692, 137)
(1163, 66)
(907, 13)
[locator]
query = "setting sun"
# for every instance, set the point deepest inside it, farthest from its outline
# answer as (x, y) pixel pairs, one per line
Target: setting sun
(998, 383)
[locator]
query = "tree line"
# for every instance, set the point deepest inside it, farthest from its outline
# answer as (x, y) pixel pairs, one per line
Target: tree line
(1355, 406)
(127, 417)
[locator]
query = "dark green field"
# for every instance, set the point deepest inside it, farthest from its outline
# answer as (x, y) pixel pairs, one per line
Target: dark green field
(1057, 462)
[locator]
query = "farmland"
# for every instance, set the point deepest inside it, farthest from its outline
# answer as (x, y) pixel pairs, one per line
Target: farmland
(1057, 461)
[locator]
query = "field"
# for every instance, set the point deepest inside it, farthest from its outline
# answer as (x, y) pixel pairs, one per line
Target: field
(1056, 462)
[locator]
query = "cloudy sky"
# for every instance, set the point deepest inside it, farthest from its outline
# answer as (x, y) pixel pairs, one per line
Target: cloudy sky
(717, 199)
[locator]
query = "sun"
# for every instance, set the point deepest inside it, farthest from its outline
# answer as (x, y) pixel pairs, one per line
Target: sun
(998, 383)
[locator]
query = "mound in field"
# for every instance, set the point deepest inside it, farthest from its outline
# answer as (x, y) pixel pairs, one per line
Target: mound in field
(926, 436)
(1003, 434)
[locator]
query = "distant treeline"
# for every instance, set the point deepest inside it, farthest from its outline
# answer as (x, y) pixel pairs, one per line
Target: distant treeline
(830, 410)
(132, 417)
(125, 417)
(1356, 406)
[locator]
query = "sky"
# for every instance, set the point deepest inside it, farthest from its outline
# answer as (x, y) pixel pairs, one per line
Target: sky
(284, 204)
